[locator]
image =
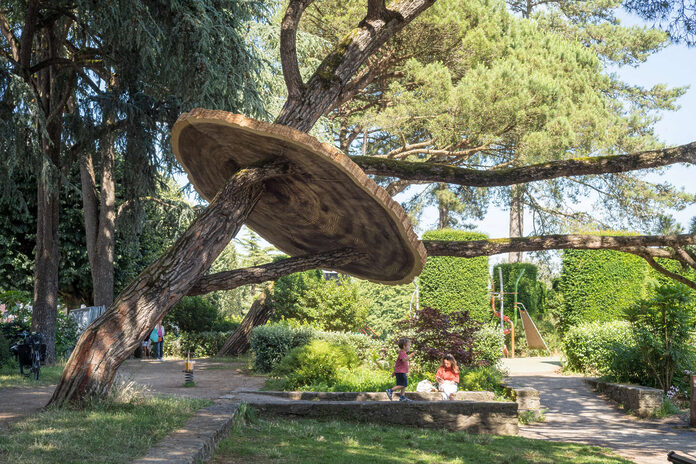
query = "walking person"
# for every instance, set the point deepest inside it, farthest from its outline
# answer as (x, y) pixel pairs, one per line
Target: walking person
(401, 370)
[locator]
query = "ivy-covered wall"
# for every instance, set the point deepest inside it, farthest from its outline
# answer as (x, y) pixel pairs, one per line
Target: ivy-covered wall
(455, 284)
(530, 292)
(599, 285)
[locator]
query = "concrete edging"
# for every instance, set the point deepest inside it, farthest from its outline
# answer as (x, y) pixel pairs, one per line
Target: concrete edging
(643, 401)
(371, 396)
(197, 440)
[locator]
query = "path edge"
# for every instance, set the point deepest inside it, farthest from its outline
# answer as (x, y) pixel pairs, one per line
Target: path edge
(197, 440)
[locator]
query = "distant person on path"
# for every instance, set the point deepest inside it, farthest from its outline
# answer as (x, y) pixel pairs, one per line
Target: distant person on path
(447, 377)
(401, 369)
(157, 337)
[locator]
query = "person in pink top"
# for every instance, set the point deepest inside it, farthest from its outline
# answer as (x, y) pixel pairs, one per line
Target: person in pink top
(401, 369)
(447, 377)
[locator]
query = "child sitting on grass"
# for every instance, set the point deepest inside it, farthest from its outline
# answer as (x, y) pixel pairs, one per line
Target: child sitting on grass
(401, 370)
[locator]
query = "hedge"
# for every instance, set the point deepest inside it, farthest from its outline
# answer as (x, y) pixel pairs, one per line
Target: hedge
(599, 285)
(271, 342)
(456, 284)
(530, 292)
(608, 349)
(199, 344)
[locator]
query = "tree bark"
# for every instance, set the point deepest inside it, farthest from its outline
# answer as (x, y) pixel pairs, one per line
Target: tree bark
(519, 175)
(516, 220)
(47, 258)
(259, 313)
(229, 280)
(117, 333)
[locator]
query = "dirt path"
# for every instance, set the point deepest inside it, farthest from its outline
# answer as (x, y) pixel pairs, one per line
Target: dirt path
(576, 414)
(213, 377)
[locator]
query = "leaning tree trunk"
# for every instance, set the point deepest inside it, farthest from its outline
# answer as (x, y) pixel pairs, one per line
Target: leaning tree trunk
(259, 313)
(116, 334)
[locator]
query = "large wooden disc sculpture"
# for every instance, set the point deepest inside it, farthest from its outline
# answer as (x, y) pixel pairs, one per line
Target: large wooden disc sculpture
(326, 203)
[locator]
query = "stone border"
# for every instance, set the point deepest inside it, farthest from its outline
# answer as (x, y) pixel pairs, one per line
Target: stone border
(527, 398)
(369, 396)
(493, 417)
(197, 440)
(642, 401)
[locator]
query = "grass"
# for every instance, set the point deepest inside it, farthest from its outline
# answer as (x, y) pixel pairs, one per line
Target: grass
(10, 376)
(527, 417)
(309, 441)
(111, 431)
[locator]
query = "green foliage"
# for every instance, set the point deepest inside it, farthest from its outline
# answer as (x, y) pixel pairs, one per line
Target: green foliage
(270, 343)
(367, 349)
(388, 304)
(192, 314)
(198, 344)
(456, 284)
(305, 298)
(287, 292)
(488, 345)
(5, 357)
(481, 379)
(19, 311)
(316, 362)
(664, 330)
(599, 285)
(608, 349)
(530, 292)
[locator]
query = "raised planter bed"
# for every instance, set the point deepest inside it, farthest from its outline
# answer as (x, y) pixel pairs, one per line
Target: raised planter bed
(427, 410)
(642, 401)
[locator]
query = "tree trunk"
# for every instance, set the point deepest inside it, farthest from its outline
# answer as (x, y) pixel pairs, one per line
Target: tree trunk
(117, 333)
(516, 220)
(259, 313)
(103, 270)
(47, 258)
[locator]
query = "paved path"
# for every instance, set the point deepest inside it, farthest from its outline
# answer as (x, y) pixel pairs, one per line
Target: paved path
(576, 414)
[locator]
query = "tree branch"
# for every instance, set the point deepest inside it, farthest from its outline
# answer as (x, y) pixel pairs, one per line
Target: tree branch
(634, 244)
(28, 34)
(668, 273)
(511, 176)
(229, 280)
(339, 67)
(288, 47)
(10, 37)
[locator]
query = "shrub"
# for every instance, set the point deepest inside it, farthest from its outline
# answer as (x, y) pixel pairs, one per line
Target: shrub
(436, 333)
(331, 305)
(192, 314)
(316, 362)
(199, 344)
(488, 345)
(4, 350)
(663, 326)
(270, 343)
(389, 304)
(365, 347)
(287, 292)
(599, 285)
(607, 349)
(530, 292)
(456, 284)
(481, 379)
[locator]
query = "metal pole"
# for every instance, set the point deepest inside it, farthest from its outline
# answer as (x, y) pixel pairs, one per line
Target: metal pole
(502, 293)
(514, 308)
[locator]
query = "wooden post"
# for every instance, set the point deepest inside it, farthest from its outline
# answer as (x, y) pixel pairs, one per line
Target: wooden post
(692, 422)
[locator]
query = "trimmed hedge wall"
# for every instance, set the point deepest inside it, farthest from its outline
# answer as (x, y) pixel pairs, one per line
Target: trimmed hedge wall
(456, 284)
(599, 285)
(530, 292)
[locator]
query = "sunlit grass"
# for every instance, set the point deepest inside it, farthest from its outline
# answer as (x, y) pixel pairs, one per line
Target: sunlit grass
(48, 375)
(310, 441)
(112, 431)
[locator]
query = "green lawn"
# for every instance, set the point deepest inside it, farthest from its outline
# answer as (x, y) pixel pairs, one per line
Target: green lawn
(10, 376)
(308, 441)
(113, 431)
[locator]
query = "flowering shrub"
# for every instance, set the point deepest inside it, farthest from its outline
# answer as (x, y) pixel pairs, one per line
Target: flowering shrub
(436, 333)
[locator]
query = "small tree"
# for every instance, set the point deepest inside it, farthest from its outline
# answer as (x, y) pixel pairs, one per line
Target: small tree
(436, 334)
(331, 305)
(663, 325)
